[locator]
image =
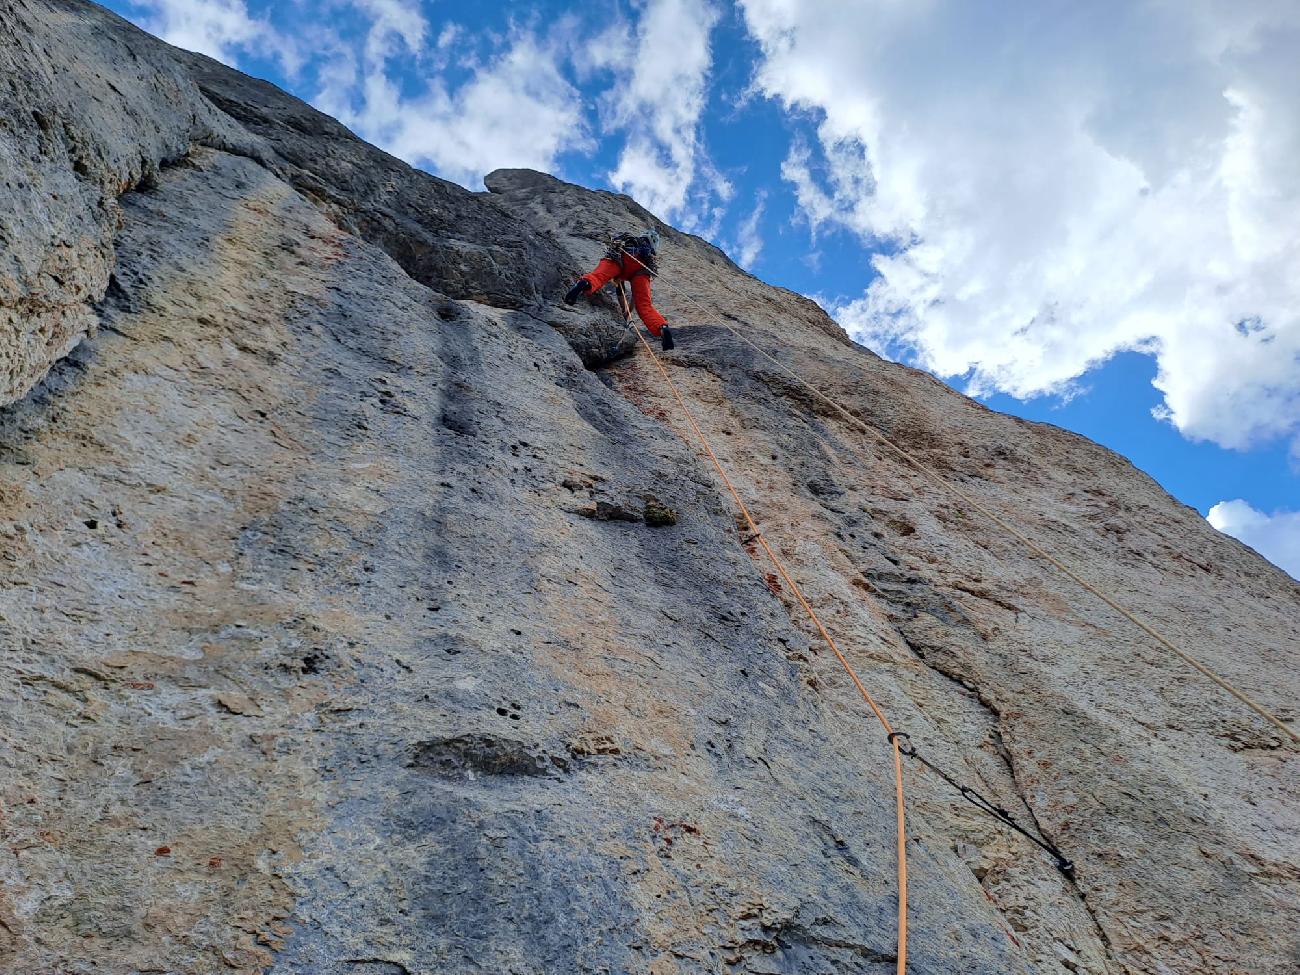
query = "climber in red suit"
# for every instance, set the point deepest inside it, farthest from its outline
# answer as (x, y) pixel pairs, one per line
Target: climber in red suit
(630, 258)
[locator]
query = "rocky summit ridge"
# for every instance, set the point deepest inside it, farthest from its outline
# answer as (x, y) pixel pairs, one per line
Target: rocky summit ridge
(366, 610)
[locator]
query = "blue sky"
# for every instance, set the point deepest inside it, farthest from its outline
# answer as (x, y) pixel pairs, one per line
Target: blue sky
(1082, 214)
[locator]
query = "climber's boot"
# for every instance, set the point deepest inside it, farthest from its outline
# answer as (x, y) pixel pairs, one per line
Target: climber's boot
(666, 338)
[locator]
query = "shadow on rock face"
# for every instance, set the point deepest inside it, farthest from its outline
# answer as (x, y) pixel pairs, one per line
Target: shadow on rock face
(653, 512)
(597, 339)
(471, 756)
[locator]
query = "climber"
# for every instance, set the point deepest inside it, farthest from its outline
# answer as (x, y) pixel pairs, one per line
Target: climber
(630, 258)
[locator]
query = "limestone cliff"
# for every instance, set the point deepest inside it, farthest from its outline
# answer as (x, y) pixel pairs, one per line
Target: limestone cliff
(335, 639)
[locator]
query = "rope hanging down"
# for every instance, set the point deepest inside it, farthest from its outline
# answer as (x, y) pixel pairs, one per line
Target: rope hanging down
(961, 495)
(830, 642)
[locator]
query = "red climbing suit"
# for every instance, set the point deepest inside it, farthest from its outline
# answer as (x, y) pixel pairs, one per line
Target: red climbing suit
(634, 272)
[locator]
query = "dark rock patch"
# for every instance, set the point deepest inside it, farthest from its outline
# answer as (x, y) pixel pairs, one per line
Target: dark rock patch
(657, 514)
(474, 755)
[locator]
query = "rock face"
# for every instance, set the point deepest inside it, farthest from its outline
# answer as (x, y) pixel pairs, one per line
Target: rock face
(86, 117)
(344, 628)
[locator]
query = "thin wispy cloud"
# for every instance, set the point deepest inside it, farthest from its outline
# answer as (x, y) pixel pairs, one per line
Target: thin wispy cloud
(748, 245)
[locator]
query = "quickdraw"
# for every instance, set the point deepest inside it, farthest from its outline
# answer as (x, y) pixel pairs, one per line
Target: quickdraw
(904, 742)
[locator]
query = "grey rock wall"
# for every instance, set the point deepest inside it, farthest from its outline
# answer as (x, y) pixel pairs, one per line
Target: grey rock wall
(87, 111)
(339, 633)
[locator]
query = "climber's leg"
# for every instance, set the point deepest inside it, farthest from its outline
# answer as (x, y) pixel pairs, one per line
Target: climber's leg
(606, 271)
(644, 306)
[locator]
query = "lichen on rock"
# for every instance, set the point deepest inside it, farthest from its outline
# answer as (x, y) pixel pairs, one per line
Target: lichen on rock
(657, 514)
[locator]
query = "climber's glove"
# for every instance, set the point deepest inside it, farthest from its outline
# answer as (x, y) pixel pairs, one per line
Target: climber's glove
(577, 291)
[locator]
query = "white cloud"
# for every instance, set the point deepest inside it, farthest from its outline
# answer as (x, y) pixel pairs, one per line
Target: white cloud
(394, 25)
(517, 109)
(748, 244)
(1049, 184)
(1276, 536)
(449, 35)
(658, 101)
(388, 81)
(216, 28)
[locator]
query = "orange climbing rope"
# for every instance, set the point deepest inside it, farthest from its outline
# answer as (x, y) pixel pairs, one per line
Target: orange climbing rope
(830, 642)
(961, 495)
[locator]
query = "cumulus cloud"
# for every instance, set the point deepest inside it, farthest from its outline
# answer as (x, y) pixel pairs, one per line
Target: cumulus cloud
(217, 28)
(516, 109)
(1047, 185)
(658, 101)
(1275, 536)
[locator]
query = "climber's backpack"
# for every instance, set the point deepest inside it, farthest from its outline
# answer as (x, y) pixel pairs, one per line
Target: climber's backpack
(637, 247)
